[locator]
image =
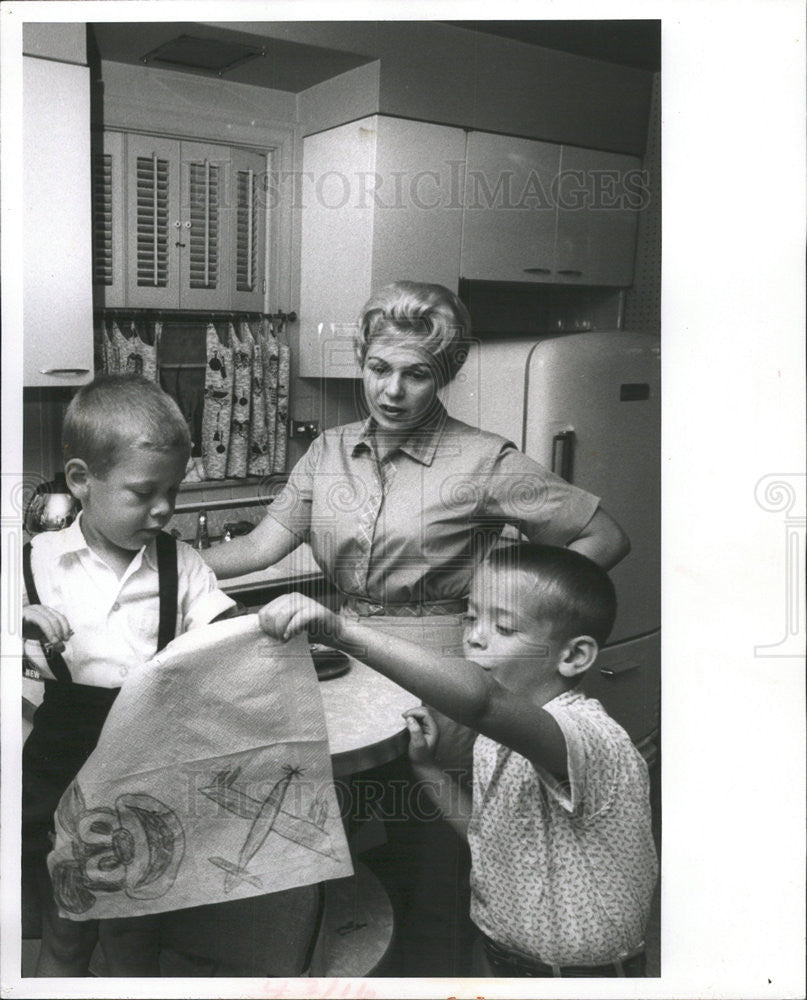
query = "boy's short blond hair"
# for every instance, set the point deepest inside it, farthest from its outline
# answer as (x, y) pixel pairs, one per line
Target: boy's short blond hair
(114, 412)
(570, 591)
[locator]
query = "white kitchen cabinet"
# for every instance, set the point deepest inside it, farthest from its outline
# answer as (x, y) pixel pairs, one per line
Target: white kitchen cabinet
(510, 219)
(56, 238)
(541, 212)
(595, 241)
(382, 201)
(177, 224)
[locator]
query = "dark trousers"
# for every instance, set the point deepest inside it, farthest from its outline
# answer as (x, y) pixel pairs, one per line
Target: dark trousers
(66, 727)
(425, 867)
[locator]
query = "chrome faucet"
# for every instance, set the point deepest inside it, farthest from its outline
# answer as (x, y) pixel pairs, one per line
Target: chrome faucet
(202, 540)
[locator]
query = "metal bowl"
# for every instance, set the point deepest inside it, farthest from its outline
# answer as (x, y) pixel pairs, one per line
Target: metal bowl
(50, 512)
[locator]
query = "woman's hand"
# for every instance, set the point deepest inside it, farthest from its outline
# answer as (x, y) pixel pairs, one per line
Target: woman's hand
(47, 625)
(424, 734)
(291, 614)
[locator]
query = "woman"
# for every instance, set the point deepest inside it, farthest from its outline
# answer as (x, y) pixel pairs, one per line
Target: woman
(391, 506)
(399, 508)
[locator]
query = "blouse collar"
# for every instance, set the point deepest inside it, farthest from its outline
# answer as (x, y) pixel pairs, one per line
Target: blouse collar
(421, 442)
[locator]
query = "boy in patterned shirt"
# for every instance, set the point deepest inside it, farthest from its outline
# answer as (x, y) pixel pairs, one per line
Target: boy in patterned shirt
(563, 860)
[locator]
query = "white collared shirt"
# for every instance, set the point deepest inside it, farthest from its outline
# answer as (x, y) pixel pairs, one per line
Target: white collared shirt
(114, 621)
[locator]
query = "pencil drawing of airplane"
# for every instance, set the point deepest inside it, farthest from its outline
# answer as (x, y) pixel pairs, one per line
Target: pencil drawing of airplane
(268, 816)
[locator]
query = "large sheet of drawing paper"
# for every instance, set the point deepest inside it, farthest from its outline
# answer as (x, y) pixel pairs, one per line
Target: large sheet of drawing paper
(211, 781)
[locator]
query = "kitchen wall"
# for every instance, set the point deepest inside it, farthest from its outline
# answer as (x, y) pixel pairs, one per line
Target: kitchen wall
(443, 73)
(460, 77)
(643, 298)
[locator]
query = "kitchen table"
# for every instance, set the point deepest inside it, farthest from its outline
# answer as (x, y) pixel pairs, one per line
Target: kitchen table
(363, 713)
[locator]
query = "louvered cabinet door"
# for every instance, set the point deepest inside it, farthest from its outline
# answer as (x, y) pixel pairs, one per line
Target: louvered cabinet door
(205, 232)
(155, 230)
(247, 277)
(108, 220)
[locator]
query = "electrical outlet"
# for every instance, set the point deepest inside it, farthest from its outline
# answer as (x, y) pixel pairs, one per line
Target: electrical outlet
(304, 429)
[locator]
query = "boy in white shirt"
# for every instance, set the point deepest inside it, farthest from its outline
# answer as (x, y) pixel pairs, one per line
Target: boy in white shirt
(563, 859)
(103, 596)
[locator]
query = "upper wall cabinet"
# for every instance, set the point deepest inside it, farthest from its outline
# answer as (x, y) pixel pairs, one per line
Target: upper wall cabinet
(57, 281)
(382, 201)
(177, 225)
(537, 211)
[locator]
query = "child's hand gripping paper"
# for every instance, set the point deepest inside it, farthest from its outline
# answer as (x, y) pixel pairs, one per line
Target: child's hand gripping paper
(292, 614)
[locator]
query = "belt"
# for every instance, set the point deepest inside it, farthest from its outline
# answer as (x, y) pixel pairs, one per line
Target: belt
(368, 609)
(506, 963)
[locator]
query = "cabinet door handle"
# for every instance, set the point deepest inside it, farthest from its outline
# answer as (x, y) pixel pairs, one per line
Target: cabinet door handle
(571, 272)
(64, 371)
(619, 668)
(537, 270)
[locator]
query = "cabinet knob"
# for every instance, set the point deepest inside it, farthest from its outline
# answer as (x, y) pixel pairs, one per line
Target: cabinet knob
(64, 371)
(537, 270)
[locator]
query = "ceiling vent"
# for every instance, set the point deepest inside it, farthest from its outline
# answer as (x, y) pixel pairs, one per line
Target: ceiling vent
(208, 55)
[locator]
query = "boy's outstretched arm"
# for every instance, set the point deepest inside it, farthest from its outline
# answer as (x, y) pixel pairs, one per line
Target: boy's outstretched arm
(459, 688)
(451, 798)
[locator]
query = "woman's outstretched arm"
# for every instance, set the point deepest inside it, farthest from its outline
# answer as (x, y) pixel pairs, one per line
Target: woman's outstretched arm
(267, 543)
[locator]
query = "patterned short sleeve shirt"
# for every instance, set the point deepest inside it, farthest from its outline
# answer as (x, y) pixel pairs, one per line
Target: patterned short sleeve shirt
(564, 872)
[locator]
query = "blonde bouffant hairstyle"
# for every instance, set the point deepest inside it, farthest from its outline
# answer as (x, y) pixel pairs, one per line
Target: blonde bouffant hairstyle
(431, 313)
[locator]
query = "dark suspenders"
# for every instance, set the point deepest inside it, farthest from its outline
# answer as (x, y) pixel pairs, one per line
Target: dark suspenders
(167, 574)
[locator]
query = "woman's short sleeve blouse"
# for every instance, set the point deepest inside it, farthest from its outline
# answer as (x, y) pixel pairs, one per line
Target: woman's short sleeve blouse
(412, 527)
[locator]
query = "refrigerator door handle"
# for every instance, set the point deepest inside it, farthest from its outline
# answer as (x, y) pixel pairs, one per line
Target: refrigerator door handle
(563, 455)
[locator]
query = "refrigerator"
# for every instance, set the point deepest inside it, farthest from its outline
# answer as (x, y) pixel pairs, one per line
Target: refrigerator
(587, 406)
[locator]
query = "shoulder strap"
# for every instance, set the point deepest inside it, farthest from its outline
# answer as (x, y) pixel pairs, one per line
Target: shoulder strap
(167, 570)
(28, 576)
(55, 660)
